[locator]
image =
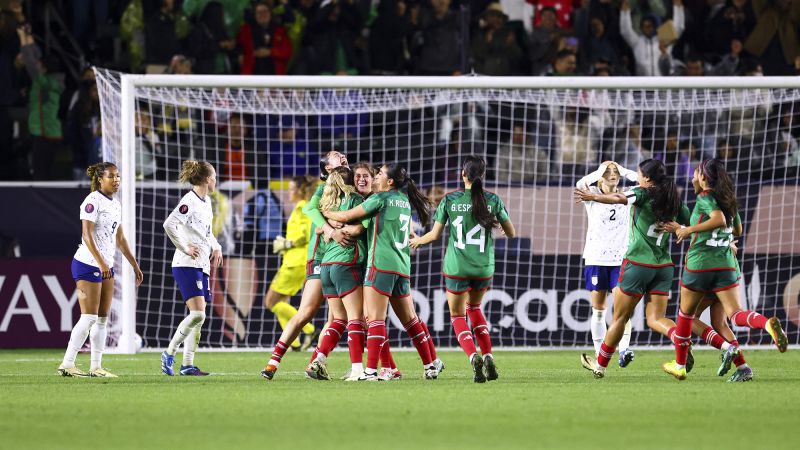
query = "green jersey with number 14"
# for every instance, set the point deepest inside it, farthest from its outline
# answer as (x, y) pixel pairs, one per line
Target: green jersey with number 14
(470, 247)
(646, 245)
(710, 250)
(389, 232)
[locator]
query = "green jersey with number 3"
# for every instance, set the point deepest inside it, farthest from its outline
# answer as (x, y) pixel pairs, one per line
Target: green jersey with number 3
(646, 245)
(354, 254)
(389, 231)
(316, 245)
(710, 250)
(470, 247)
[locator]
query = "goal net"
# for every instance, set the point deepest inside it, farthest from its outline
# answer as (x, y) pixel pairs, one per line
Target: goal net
(539, 136)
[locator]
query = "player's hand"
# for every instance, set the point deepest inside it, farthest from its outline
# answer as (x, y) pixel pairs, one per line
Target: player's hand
(139, 275)
(335, 223)
(279, 244)
(104, 270)
(583, 195)
(216, 258)
(342, 238)
(683, 233)
(414, 242)
(194, 251)
(734, 247)
(669, 227)
(319, 230)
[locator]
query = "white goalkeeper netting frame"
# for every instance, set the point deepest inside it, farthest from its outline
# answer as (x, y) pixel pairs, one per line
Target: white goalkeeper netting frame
(539, 136)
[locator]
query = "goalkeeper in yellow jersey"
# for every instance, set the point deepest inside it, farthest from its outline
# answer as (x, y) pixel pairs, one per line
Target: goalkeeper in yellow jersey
(293, 248)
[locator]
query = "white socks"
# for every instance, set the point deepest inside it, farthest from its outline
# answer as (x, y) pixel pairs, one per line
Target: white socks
(193, 321)
(190, 346)
(97, 337)
(597, 325)
(356, 368)
(79, 333)
(625, 342)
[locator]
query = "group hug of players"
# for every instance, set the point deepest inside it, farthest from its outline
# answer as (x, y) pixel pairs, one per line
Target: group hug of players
(350, 244)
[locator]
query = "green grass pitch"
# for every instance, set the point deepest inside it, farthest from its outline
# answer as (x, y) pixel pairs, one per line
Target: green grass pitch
(542, 400)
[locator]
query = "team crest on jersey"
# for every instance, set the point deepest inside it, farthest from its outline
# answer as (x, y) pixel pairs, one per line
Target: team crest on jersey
(594, 280)
(199, 285)
(184, 209)
(89, 208)
(317, 270)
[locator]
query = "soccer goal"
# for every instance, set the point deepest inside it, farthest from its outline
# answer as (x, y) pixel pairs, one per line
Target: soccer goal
(538, 136)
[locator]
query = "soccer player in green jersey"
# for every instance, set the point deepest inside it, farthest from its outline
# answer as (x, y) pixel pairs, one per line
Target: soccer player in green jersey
(311, 299)
(389, 262)
(342, 276)
(710, 264)
(469, 262)
(648, 267)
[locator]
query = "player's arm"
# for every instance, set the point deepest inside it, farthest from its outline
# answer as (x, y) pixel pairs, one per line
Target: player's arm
(347, 216)
(353, 229)
(311, 210)
(508, 229)
(738, 229)
(715, 220)
(630, 175)
(593, 177)
(683, 219)
(175, 231)
(216, 250)
(585, 195)
(427, 238)
(123, 246)
(87, 233)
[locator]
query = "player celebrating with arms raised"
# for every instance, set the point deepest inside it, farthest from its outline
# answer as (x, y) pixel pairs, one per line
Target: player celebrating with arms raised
(648, 267)
(93, 268)
(389, 262)
(469, 261)
(711, 265)
(196, 248)
(606, 244)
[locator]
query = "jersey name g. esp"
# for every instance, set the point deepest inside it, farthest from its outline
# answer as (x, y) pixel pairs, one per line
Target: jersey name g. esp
(190, 223)
(607, 232)
(646, 245)
(390, 228)
(710, 250)
(470, 246)
(106, 213)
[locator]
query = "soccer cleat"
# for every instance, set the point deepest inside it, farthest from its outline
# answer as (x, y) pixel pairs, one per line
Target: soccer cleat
(430, 373)
(71, 372)
(477, 369)
(101, 373)
(348, 374)
(368, 377)
(389, 374)
(778, 336)
(590, 364)
(192, 371)
(489, 369)
(726, 359)
(355, 376)
(689, 359)
(741, 375)
(438, 364)
(269, 372)
(308, 340)
(167, 361)
(317, 369)
(626, 357)
(672, 368)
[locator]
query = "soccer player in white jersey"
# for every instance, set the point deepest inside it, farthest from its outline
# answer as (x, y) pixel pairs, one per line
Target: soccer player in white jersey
(93, 268)
(606, 243)
(196, 249)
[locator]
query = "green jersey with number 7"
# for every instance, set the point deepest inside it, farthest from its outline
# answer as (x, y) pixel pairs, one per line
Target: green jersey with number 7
(470, 247)
(646, 245)
(389, 233)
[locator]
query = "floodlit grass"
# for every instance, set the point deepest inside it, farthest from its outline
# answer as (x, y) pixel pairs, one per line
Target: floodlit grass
(542, 400)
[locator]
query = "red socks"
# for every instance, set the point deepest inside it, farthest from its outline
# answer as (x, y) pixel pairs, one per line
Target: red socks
(420, 339)
(376, 334)
(386, 353)
(739, 360)
(464, 336)
(712, 338)
(431, 346)
(278, 352)
(356, 335)
(683, 337)
(331, 337)
(605, 354)
(750, 319)
(479, 328)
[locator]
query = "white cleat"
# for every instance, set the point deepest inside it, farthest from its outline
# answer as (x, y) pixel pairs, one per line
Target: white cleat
(590, 364)
(72, 372)
(101, 373)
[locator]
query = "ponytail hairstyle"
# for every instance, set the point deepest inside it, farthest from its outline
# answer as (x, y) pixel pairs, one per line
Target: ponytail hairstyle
(722, 184)
(418, 200)
(305, 185)
(195, 172)
(340, 181)
(473, 169)
(663, 193)
(96, 171)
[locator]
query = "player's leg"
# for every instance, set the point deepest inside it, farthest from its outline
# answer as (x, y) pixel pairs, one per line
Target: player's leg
(480, 328)
(193, 285)
(98, 332)
(356, 331)
(389, 370)
(287, 282)
(597, 324)
(375, 307)
(309, 305)
(403, 307)
(318, 369)
(682, 336)
(457, 302)
(624, 305)
(719, 321)
(608, 277)
(89, 293)
(197, 307)
(743, 318)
